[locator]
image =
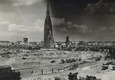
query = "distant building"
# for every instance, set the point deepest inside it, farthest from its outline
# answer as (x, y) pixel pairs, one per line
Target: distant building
(48, 33)
(67, 41)
(7, 74)
(25, 40)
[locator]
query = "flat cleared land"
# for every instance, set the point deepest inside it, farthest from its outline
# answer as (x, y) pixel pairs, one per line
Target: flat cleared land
(31, 63)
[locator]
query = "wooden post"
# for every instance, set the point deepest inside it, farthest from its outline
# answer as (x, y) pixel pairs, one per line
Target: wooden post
(52, 70)
(58, 69)
(42, 72)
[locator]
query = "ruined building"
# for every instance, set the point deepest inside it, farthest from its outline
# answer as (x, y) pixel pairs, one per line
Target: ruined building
(25, 40)
(67, 41)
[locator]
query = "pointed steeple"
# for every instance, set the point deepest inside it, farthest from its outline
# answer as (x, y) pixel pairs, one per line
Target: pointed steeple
(48, 19)
(48, 7)
(48, 11)
(48, 33)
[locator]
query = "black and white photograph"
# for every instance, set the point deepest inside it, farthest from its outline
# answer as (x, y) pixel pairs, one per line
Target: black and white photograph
(57, 39)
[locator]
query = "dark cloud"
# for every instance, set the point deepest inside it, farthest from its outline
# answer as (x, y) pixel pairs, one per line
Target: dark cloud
(91, 27)
(86, 19)
(68, 27)
(58, 21)
(100, 8)
(63, 8)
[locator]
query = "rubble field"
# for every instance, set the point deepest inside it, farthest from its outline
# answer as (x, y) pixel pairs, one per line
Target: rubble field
(89, 63)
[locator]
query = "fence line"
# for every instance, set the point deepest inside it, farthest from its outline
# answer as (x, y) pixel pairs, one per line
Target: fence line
(49, 71)
(36, 71)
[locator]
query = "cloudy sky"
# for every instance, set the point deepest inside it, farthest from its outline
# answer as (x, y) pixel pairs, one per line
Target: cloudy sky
(80, 19)
(22, 18)
(85, 19)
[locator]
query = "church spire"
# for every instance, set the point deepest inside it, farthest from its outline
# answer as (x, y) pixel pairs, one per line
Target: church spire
(48, 7)
(48, 11)
(48, 33)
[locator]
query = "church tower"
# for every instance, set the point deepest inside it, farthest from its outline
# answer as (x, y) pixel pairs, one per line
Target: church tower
(48, 33)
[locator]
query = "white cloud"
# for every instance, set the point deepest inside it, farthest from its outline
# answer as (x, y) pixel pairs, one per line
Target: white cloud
(8, 29)
(18, 2)
(18, 28)
(58, 21)
(39, 22)
(4, 26)
(81, 28)
(24, 2)
(4, 22)
(38, 27)
(64, 29)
